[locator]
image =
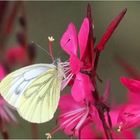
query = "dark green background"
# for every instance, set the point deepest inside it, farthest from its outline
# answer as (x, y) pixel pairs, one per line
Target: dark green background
(52, 18)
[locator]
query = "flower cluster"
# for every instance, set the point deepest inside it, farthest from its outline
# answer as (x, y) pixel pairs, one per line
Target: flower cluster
(84, 112)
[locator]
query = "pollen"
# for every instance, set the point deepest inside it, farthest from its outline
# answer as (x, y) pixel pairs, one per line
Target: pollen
(50, 38)
(120, 127)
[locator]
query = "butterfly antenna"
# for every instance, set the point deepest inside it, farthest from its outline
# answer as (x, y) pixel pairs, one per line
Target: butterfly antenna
(36, 44)
(51, 39)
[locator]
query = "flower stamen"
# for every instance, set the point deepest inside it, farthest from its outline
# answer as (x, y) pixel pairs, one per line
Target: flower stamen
(49, 136)
(51, 39)
(120, 127)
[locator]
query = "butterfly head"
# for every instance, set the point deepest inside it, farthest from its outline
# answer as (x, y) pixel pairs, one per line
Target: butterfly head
(64, 71)
(57, 61)
(59, 67)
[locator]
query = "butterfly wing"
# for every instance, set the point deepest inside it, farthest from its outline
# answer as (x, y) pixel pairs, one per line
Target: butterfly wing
(40, 100)
(34, 90)
(13, 85)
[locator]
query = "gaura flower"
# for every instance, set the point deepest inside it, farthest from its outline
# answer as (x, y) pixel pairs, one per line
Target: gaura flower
(16, 55)
(129, 117)
(75, 117)
(118, 130)
(70, 43)
(19, 55)
(6, 115)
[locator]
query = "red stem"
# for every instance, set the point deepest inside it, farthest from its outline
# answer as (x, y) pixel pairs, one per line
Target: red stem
(101, 107)
(34, 129)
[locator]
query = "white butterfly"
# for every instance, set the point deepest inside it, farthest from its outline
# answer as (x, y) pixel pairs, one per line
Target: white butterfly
(35, 90)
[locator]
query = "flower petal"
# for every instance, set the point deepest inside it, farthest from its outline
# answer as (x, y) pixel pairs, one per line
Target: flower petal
(69, 40)
(71, 113)
(87, 132)
(111, 28)
(75, 64)
(83, 37)
(131, 84)
(67, 103)
(133, 98)
(129, 117)
(82, 88)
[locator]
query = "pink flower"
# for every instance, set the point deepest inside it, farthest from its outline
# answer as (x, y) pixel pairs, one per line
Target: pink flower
(82, 86)
(20, 55)
(70, 42)
(118, 130)
(6, 115)
(6, 118)
(16, 56)
(129, 117)
(75, 117)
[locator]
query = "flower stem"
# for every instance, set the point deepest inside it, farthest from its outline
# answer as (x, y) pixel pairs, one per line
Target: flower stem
(100, 106)
(34, 130)
(107, 130)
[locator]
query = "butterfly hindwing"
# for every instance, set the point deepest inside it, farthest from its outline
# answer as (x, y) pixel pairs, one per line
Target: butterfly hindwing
(40, 100)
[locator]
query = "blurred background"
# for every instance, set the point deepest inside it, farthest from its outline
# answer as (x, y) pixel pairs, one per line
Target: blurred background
(35, 21)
